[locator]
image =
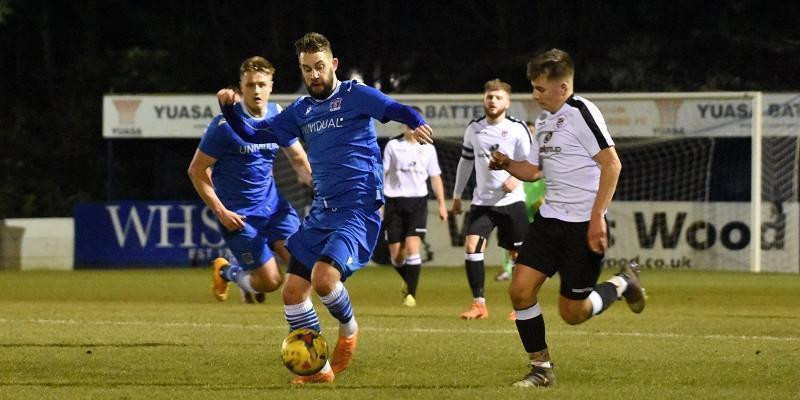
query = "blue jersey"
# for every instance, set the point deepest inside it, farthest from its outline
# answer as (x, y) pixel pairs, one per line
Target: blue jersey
(242, 175)
(340, 138)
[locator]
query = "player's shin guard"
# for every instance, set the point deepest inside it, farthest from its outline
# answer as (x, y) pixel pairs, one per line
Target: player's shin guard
(603, 295)
(413, 268)
(473, 262)
(338, 303)
(530, 325)
(301, 316)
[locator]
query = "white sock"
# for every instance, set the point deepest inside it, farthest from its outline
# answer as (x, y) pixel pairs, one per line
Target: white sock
(543, 364)
(479, 300)
(620, 283)
(243, 281)
(348, 329)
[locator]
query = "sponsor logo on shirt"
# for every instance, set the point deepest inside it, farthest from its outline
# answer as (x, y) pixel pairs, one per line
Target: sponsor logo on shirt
(257, 147)
(336, 104)
(321, 125)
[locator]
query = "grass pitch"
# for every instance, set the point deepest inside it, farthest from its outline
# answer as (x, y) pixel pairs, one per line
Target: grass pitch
(159, 334)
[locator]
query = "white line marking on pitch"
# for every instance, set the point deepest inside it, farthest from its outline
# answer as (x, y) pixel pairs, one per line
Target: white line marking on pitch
(415, 330)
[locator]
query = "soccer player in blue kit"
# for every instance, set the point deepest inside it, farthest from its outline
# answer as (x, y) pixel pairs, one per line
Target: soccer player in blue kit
(234, 179)
(339, 234)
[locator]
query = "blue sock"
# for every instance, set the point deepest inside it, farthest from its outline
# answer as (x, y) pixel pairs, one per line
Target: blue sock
(338, 303)
(301, 316)
(230, 272)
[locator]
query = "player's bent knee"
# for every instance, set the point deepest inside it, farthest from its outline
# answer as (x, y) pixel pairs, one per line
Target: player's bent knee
(268, 284)
(521, 296)
(573, 312)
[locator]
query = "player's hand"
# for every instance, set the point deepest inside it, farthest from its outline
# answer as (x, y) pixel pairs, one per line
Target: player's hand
(231, 221)
(442, 212)
(597, 235)
(456, 209)
(499, 161)
(510, 184)
(423, 134)
(227, 96)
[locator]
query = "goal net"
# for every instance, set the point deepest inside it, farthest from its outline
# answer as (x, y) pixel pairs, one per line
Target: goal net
(693, 163)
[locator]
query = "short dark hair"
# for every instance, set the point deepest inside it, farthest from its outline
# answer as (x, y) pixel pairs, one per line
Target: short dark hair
(313, 42)
(256, 64)
(555, 64)
(496, 84)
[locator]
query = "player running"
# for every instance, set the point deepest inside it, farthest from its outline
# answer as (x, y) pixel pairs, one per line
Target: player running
(574, 151)
(339, 234)
(234, 179)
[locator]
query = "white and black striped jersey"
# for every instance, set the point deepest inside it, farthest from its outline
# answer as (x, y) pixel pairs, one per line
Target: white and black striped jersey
(566, 142)
(406, 167)
(511, 137)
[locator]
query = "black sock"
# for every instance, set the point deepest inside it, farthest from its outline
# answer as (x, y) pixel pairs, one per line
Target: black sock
(475, 276)
(532, 333)
(412, 277)
(401, 270)
(608, 293)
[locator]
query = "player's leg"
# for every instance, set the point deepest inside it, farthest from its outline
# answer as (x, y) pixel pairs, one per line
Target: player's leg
(524, 289)
(413, 268)
(512, 228)
(414, 226)
(282, 224)
(299, 312)
(352, 236)
(505, 269)
(474, 247)
(251, 252)
(393, 227)
(581, 296)
(539, 258)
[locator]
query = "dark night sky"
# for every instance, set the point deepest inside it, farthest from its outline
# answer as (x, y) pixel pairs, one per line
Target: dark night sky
(59, 58)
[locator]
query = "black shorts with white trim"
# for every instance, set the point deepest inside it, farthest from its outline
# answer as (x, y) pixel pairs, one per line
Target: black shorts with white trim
(553, 245)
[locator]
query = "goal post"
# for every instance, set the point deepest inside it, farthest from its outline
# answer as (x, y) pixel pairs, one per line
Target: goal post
(668, 105)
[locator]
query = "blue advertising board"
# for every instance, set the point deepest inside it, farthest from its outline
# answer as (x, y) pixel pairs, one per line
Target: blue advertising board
(142, 234)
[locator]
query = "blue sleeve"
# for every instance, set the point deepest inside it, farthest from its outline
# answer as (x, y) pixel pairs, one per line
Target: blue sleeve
(212, 142)
(403, 114)
(249, 130)
(383, 108)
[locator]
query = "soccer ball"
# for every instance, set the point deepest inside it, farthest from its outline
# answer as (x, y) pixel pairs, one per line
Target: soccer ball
(304, 351)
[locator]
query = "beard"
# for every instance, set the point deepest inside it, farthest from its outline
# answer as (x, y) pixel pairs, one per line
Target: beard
(327, 89)
(493, 115)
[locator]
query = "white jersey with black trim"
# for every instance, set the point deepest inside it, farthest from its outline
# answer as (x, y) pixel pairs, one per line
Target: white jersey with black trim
(566, 142)
(406, 167)
(509, 136)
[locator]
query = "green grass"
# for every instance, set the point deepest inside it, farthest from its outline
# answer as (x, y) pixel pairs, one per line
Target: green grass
(158, 334)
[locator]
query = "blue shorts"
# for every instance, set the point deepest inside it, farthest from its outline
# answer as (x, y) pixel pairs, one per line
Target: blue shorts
(345, 235)
(250, 245)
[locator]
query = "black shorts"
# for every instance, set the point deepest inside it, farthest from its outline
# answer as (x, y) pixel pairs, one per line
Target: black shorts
(511, 222)
(405, 216)
(554, 246)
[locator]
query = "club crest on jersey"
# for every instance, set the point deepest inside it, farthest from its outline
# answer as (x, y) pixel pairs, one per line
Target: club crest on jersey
(336, 104)
(560, 122)
(548, 136)
(504, 134)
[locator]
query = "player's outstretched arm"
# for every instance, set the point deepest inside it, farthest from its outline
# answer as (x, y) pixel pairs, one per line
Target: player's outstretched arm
(249, 130)
(522, 170)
